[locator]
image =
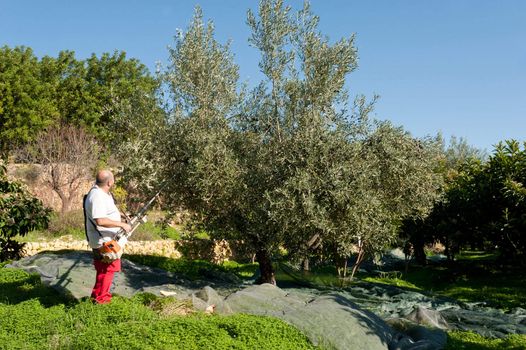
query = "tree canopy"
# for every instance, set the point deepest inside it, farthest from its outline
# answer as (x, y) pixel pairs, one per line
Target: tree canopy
(285, 163)
(26, 99)
(483, 206)
(35, 94)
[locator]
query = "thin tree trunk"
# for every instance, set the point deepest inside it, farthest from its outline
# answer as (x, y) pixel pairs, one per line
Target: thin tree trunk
(359, 260)
(265, 267)
(305, 264)
(66, 205)
(408, 254)
(419, 253)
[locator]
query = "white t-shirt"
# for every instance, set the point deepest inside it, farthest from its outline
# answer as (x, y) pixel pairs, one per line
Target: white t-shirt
(100, 204)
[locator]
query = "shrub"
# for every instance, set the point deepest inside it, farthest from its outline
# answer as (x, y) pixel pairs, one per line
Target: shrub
(20, 213)
(69, 223)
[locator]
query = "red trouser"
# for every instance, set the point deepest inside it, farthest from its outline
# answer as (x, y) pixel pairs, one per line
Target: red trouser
(101, 291)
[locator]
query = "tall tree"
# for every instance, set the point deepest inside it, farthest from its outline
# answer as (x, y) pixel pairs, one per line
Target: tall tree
(26, 104)
(287, 166)
(111, 78)
(37, 93)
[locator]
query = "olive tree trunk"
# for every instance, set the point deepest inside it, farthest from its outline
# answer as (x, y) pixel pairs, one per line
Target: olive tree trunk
(265, 267)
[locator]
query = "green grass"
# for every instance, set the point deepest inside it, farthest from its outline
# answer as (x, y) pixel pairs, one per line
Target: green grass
(398, 282)
(196, 269)
(35, 317)
(472, 341)
(150, 231)
(475, 255)
(243, 271)
(474, 277)
(72, 224)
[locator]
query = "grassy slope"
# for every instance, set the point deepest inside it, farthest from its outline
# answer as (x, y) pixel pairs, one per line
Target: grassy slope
(36, 317)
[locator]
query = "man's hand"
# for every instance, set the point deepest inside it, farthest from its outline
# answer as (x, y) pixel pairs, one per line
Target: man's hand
(126, 227)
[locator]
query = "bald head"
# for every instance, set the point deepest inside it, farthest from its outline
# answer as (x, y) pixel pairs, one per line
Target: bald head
(105, 178)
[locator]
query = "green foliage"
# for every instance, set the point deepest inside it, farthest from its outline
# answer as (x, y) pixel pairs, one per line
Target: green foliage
(87, 91)
(483, 207)
(195, 269)
(26, 98)
(458, 340)
(92, 93)
(20, 212)
(35, 324)
(135, 132)
(198, 161)
(202, 76)
(288, 163)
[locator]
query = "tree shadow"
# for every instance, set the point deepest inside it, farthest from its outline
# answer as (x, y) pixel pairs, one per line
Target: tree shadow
(142, 271)
(27, 286)
(31, 282)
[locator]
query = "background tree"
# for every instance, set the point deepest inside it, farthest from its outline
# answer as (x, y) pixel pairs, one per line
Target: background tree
(26, 102)
(457, 164)
(501, 192)
(114, 78)
(67, 155)
(37, 93)
(19, 213)
(482, 207)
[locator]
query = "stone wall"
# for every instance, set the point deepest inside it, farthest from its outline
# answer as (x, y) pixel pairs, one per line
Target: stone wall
(163, 248)
(213, 251)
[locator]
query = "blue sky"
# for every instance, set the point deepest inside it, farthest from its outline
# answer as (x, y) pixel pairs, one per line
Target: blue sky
(458, 67)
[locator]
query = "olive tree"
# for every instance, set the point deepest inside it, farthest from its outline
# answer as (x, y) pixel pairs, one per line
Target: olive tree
(198, 158)
(287, 164)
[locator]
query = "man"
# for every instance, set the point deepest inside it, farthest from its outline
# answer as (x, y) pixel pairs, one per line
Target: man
(103, 221)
